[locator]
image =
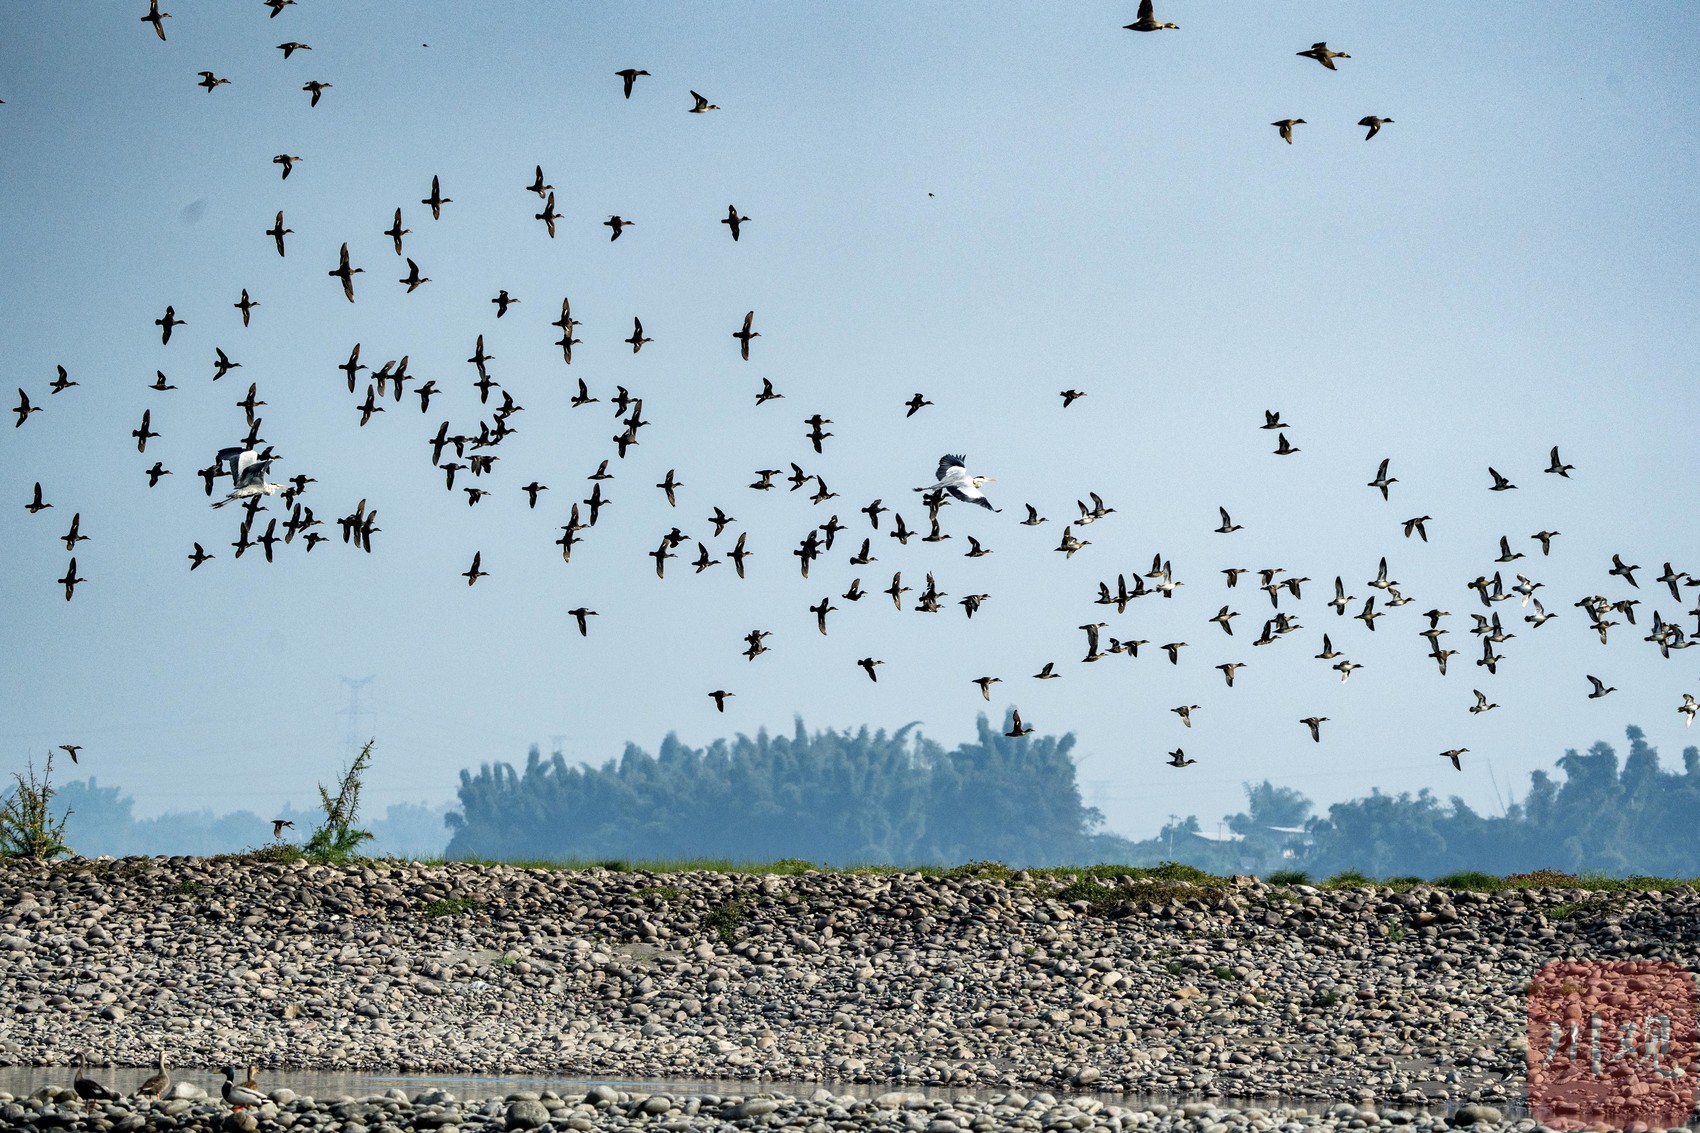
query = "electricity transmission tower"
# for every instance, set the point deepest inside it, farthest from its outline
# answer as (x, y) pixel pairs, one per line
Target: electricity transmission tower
(355, 710)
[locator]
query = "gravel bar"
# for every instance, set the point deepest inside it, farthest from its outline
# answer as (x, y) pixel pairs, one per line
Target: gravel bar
(989, 982)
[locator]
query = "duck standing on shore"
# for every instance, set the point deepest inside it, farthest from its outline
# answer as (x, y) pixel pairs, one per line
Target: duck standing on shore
(155, 1085)
(243, 1095)
(87, 1088)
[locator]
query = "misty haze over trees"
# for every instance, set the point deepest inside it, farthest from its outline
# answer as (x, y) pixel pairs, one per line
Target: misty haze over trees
(873, 798)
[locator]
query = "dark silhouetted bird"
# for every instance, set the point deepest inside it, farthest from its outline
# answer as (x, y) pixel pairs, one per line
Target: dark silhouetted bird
(1321, 53)
(157, 18)
(346, 273)
(436, 200)
(733, 221)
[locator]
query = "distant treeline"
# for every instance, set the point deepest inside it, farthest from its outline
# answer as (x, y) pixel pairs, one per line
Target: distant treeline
(1618, 820)
(103, 821)
(839, 798)
(868, 798)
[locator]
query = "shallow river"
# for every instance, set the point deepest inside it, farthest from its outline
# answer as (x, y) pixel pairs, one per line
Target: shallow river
(21, 1080)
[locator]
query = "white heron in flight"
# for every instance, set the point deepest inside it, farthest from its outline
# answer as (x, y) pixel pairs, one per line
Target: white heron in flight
(953, 477)
(247, 474)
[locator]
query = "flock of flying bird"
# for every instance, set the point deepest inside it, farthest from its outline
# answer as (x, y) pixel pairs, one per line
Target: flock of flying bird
(244, 467)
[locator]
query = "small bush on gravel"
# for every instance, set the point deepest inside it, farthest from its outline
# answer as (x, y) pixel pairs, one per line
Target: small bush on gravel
(337, 841)
(996, 871)
(1350, 879)
(1177, 871)
(453, 907)
(725, 920)
(1289, 877)
(27, 828)
(1095, 894)
(1471, 879)
(1544, 879)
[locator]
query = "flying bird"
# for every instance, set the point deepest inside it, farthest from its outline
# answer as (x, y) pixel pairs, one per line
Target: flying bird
(733, 221)
(288, 162)
(279, 825)
(868, 664)
(1453, 756)
(743, 336)
(245, 305)
(1314, 723)
(292, 47)
(579, 615)
(1321, 53)
(346, 274)
(315, 88)
(436, 200)
(548, 216)
(1600, 688)
(1147, 20)
(630, 75)
(1383, 480)
(69, 582)
(1375, 124)
(618, 224)
(719, 696)
(211, 81)
(1017, 728)
(413, 279)
(166, 323)
(1558, 467)
(156, 18)
(1500, 483)
(144, 434)
(953, 477)
(247, 474)
(1177, 758)
(1286, 125)
(702, 105)
(72, 750)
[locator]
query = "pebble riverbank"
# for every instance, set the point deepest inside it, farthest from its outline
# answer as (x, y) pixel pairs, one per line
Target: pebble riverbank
(987, 983)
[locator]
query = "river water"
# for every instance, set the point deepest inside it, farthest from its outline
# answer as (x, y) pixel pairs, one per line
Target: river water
(322, 1085)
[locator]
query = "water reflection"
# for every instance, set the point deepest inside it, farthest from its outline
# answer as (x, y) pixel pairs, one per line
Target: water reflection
(323, 1085)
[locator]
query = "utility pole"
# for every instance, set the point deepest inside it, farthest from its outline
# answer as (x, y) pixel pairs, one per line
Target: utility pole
(351, 738)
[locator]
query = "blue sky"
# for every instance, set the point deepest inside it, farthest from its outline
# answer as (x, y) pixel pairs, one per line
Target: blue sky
(987, 205)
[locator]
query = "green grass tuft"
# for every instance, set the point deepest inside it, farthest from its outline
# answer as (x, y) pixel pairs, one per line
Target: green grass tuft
(1471, 879)
(724, 921)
